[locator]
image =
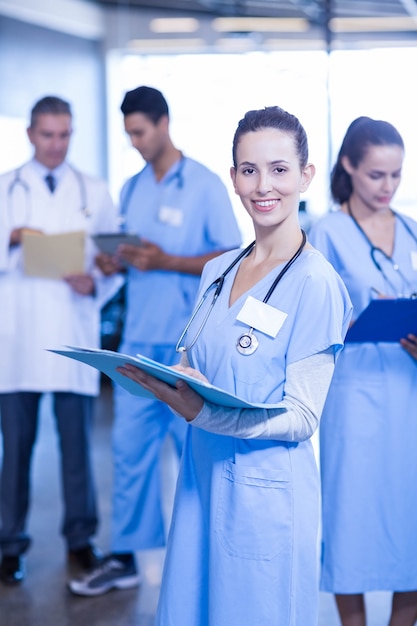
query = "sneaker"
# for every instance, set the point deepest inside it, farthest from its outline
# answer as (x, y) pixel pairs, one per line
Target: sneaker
(111, 573)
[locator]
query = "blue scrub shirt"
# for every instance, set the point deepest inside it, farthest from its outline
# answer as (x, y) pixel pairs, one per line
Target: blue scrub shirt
(188, 213)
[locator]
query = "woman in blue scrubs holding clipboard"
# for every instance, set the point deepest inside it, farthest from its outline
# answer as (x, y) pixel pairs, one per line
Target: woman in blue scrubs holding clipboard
(369, 426)
(243, 543)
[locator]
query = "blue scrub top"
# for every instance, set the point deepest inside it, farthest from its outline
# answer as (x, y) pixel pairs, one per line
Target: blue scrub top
(339, 239)
(368, 428)
(243, 540)
(313, 297)
(187, 213)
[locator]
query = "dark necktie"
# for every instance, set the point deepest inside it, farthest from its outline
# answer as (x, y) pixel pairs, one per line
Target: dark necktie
(51, 182)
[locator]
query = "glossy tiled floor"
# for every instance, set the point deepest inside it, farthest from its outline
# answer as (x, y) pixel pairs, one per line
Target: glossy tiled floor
(43, 599)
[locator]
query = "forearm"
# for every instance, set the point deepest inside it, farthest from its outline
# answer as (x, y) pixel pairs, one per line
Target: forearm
(296, 417)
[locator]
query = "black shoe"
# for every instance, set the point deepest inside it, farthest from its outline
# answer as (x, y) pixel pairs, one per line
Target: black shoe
(12, 570)
(85, 558)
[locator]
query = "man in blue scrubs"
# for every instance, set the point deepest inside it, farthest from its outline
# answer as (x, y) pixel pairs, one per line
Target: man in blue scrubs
(183, 214)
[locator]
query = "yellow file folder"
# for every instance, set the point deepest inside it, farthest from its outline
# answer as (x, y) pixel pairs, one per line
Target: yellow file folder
(53, 256)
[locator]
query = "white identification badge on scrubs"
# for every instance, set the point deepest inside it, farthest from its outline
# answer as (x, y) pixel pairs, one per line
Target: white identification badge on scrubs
(413, 255)
(261, 316)
(169, 215)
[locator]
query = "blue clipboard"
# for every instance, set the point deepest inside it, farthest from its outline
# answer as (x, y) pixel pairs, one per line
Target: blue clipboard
(106, 361)
(385, 320)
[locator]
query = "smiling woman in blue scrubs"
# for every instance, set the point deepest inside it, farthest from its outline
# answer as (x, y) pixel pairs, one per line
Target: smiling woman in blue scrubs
(244, 538)
(369, 428)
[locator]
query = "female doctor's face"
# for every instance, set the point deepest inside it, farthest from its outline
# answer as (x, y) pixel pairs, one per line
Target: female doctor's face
(50, 136)
(377, 177)
(268, 177)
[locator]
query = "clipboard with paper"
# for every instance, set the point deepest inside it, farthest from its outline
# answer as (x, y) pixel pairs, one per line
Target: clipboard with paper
(107, 361)
(384, 320)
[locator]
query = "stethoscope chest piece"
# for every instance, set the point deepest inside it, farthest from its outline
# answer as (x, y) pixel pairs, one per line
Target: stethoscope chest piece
(247, 343)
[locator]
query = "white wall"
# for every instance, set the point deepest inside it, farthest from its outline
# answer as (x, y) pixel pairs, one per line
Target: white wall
(36, 61)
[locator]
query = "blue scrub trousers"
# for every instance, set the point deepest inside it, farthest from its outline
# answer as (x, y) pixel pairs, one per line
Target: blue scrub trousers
(19, 423)
(140, 428)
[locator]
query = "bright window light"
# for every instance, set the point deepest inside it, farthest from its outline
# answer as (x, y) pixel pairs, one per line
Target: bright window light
(209, 93)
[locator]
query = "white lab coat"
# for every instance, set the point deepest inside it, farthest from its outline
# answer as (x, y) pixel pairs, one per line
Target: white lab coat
(37, 313)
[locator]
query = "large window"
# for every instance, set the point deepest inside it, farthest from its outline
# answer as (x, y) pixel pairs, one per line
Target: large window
(208, 94)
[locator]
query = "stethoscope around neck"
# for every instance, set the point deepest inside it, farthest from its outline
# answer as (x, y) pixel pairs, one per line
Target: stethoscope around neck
(247, 343)
(376, 250)
(178, 174)
(18, 181)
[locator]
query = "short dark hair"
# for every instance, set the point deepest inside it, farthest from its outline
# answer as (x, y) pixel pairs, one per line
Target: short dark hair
(273, 117)
(146, 100)
(49, 104)
(362, 133)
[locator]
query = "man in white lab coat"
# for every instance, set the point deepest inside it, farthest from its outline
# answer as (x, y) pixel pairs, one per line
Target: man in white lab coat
(47, 195)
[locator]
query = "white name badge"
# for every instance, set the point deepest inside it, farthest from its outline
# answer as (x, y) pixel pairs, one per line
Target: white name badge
(171, 216)
(413, 255)
(262, 316)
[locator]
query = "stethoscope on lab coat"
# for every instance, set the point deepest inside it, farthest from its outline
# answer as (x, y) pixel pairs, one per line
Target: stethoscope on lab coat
(376, 250)
(246, 343)
(19, 182)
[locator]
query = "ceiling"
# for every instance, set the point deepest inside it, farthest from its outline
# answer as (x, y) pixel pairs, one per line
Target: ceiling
(310, 9)
(331, 21)
(314, 10)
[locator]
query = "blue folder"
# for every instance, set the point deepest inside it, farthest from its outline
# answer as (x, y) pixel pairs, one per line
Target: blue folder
(385, 320)
(106, 361)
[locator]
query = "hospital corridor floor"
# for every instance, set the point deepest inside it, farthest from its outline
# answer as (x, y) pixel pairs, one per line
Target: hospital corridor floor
(43, 598)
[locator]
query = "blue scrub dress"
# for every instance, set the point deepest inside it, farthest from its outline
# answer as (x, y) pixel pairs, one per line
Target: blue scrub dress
(187, 213)
(243, 543)
(368, 431)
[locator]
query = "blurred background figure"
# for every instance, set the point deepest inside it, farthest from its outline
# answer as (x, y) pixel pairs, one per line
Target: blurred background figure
(48, 195)
(183, 213)
(368, 429)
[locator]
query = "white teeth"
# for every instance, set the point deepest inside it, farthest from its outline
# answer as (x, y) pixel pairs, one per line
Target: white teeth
(265, 202)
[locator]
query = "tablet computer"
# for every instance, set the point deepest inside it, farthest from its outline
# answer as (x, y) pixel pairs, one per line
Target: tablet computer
(109, 242)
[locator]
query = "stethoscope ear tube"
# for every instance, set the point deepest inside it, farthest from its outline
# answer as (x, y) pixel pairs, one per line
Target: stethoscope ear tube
(247, 343)
(18, 181)
(218, 284)
(376, 249)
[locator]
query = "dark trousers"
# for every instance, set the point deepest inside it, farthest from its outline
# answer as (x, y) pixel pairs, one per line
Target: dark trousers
(19, 424)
